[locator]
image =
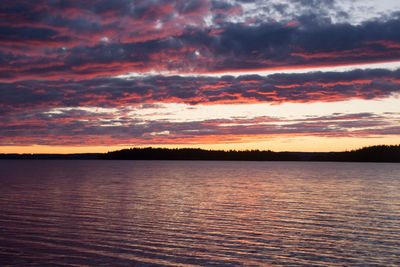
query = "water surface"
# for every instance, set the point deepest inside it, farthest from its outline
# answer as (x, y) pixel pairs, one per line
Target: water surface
(175, 213)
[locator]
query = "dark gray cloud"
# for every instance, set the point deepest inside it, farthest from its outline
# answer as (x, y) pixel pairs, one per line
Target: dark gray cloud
(76, 39)
(276, 88)
(16, 35)
(69, 126)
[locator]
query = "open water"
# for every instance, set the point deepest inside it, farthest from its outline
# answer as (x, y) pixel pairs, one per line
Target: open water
(198, 213)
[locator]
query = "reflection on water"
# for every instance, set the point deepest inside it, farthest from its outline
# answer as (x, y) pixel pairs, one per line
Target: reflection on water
(199, 213)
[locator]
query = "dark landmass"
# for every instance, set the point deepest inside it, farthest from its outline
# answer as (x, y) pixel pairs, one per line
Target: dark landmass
(199, 154)
(366, 154)
(380, 153)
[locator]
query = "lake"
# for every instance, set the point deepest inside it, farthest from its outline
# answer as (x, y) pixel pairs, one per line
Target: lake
(199, 213)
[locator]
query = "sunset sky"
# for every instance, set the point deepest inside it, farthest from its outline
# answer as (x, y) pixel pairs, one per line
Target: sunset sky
(299, 75)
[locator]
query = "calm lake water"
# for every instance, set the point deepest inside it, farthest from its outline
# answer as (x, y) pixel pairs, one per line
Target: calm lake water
(191, 213)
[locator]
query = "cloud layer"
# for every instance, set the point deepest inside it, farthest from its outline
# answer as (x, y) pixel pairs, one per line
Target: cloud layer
(71, 39)
(85, 127)
(276, 88)
(62, 66)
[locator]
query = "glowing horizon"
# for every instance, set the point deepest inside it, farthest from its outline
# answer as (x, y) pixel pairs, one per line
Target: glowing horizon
(205, 74)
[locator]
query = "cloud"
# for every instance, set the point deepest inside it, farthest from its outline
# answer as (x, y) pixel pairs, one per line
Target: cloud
(68, 126)
(64, 38)
(61, 55)
(276, 88)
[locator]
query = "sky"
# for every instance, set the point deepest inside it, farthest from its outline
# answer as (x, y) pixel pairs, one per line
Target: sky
(99, 75)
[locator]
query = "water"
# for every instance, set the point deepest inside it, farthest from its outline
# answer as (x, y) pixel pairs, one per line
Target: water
(188, 213)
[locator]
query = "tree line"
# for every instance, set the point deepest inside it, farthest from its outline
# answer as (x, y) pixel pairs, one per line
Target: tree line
(381, 153)
(198, 154)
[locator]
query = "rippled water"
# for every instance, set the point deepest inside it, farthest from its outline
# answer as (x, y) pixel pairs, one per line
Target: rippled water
(137, 213)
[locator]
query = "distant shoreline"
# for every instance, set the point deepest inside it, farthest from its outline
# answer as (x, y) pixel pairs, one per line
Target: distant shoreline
(382, 153)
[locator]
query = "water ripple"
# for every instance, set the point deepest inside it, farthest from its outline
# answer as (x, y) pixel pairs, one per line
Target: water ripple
(139, 213)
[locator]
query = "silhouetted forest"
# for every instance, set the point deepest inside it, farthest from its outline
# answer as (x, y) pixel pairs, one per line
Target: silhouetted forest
(382, 153)
(198, 154)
